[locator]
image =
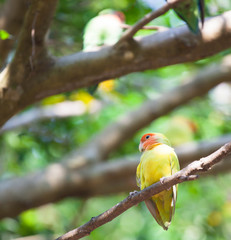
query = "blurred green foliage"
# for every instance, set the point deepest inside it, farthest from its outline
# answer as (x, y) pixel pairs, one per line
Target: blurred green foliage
(203, 208)
(4, 35)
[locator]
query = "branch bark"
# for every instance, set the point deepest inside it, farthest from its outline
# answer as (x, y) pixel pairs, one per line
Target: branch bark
(58, 181)
(88, 68)
(30, 58)
(187, 173)
(196, 85)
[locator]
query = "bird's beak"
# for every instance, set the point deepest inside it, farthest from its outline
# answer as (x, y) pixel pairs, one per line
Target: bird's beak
(141, 147)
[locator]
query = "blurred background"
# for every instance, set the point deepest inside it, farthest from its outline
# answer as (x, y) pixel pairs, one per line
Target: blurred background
(36, 139)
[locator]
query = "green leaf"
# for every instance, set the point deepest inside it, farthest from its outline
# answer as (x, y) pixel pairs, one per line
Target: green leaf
(4, 35)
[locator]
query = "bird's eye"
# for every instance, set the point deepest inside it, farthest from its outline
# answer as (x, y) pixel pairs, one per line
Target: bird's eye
(147, 137)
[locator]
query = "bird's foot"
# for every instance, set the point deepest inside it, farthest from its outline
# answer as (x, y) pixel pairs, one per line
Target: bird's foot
(132, 193)
(162, 180)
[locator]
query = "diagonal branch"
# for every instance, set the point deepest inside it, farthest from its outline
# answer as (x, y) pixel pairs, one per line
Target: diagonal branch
(196, 85)
(31, 40)
(187, 173)
(157, 28)
(148, 18)
(30, 58)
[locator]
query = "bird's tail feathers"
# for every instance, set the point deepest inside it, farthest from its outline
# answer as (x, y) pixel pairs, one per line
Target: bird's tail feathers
(151, 205)
(162, 207)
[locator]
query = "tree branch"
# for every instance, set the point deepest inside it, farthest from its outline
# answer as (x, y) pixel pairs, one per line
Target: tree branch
(58, 110)
(30, 57)
(148, 18)
(34, 29)
(150, 52)
(157, 28)
(187, 173)
(88, 68)
(58, 182)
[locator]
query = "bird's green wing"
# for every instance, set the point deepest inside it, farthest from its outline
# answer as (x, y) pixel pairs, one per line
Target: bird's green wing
(174, 162)
(175, 167)
(138, 176)
(190, 11)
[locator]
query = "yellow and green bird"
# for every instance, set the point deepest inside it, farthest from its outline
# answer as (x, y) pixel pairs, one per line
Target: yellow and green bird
(157, 161)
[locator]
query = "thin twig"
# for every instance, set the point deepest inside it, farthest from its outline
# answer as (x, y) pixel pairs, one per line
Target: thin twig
(157, 28)
(148, 18)
(186, 174)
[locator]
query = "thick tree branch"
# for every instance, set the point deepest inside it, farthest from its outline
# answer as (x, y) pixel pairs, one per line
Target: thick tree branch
(150, 52)
(87, 68)
(58, 181)
(30, 57)
(34, 29)
(187, 173)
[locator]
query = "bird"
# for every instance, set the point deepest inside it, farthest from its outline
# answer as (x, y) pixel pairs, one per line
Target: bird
(180, 130)
(191, 11)
(158, 160)
(102, 30)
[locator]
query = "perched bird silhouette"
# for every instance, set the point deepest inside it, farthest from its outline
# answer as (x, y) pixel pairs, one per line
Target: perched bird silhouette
(179, 130)
(157, 161)
(191, 11)
(104, 29)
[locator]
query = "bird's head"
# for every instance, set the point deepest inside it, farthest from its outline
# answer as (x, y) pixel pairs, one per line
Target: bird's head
(151, 140)
(120, 15)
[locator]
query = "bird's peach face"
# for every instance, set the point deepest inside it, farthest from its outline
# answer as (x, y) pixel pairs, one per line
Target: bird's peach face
(150, 140)
(147, 141)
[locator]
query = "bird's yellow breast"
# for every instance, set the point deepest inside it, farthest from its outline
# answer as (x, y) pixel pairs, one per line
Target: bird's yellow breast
(155, 164)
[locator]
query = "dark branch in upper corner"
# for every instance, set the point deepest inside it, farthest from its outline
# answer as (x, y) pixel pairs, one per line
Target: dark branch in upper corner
(148, 18)
(31, 40)
(186, 174)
